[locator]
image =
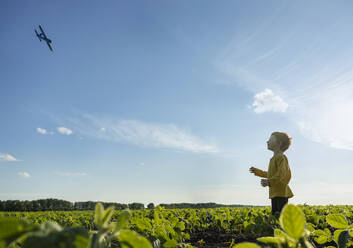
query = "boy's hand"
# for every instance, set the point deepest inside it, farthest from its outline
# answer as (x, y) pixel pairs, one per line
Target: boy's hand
(264, 182)
(252, 170)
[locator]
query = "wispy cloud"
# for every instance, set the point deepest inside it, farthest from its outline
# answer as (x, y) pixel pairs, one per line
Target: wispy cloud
(327, 117)
(267, 101)
(42, 131)
(64, 130)
(248, 79)
(70, 174)
(24, 174)
(142, 134)
(7, 158)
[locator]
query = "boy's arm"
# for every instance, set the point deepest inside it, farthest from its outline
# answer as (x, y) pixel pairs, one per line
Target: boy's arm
(260, 173)
(278, 178)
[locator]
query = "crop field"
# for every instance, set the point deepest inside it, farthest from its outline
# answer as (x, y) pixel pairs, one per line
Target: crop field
(298, 226)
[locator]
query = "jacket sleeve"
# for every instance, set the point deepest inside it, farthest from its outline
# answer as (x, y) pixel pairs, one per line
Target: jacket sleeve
(279, 177)
(260, 173)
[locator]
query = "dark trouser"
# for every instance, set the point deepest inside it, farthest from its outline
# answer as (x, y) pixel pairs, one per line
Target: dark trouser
(278, 203)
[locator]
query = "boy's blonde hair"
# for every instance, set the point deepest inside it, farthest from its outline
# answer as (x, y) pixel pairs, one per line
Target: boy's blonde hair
(284, 138)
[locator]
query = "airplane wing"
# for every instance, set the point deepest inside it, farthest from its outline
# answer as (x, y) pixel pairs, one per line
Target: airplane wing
(51, 49)
(38, 35)
(40, 27)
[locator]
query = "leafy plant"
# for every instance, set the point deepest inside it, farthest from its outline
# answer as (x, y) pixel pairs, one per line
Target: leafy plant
(19, 233)
(327, 225)
(344, 231)
(292, 232)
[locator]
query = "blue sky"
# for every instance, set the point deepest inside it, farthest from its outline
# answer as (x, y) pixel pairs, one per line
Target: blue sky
(173, 101)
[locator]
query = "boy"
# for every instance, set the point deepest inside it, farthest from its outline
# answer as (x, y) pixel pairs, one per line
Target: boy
(278, 174)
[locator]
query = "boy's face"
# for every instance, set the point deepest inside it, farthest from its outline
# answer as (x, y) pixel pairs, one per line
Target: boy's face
(273, 144)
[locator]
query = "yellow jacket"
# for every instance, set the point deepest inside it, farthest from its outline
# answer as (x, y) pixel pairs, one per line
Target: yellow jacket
(278, 175)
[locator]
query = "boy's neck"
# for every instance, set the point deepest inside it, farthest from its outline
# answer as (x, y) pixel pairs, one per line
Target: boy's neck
(277, 152)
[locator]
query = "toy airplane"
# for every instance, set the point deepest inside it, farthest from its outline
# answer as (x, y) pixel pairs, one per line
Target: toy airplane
(42, 36)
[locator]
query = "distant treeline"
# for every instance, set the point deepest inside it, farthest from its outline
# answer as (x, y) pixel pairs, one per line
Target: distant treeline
(62, 205)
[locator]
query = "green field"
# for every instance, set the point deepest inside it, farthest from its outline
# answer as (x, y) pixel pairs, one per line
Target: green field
(320, 226)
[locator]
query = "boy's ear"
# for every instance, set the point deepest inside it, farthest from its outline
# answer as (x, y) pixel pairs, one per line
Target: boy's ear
(279, 143)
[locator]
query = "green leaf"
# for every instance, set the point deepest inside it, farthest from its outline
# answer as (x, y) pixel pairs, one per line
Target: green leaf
(336, 235)
(351, 233)
(106, 216)
(341, 238)
(279, 233)
(337, 221)
(328, 232)
(319, 232)
(130, 239)
(180, 226)
(12, 229)
(321, 240)
(247, 245)
(170, 244)
(292, 220)
(350, 243)
(270, 240)
(123, 219)
(310, 227)
(98, 213)
(73, 237)
(283, 236)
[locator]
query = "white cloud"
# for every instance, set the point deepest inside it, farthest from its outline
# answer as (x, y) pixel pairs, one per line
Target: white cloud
(7, 157)
(24, 174)
(320, 104)
(143, 134)
(64, 130)
(267, 101)
(42, 130)
(70, 174)
(313, 85)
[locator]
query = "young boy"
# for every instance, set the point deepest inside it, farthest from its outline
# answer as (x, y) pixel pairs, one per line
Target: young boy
(278, 174)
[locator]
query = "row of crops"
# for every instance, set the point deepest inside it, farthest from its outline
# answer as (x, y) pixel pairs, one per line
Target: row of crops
(298, 226)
